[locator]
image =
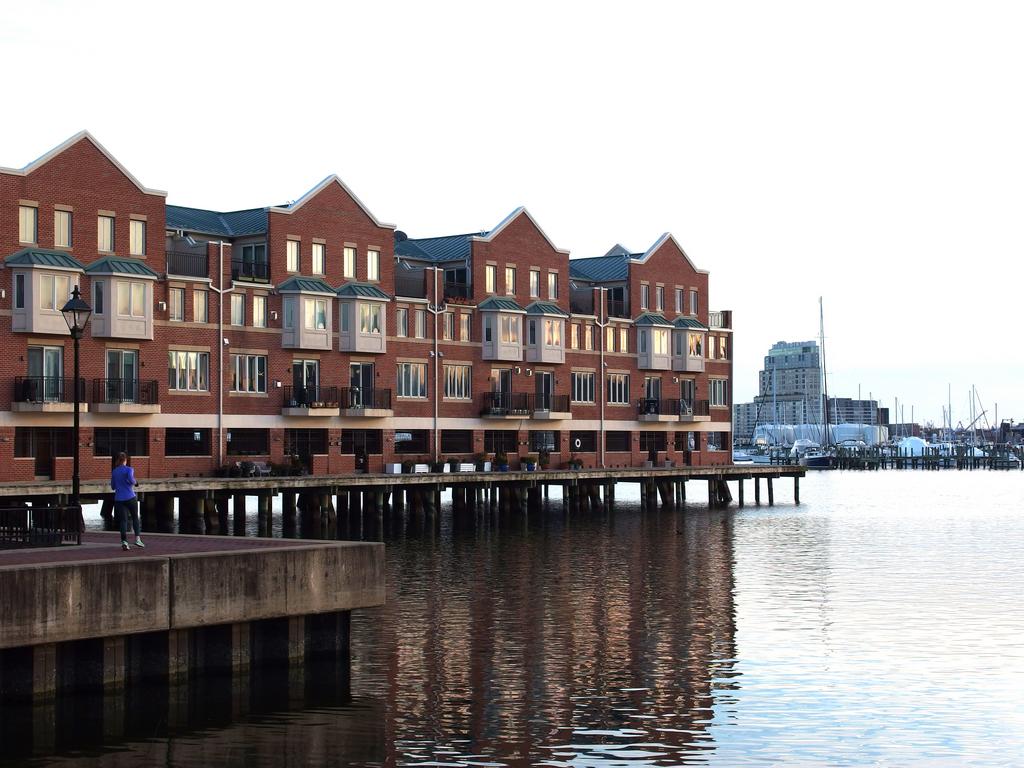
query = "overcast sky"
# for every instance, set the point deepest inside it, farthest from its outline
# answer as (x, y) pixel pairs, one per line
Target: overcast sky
(869, 153)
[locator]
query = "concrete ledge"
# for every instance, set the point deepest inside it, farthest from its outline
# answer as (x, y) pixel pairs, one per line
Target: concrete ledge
(125, 408)
(310, 412)
(48, 407)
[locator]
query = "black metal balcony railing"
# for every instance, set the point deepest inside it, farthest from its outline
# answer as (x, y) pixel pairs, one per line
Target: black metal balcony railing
(457, 290)
(582, 303)
(188, 264)
(650, 406)
(695, 407)
(617, 308)
(506, 404)
(410, 285)
(47, 389)
(125, 391)
(311, 396)
(40, 527)
(550, 402)
(366, 397)
(256, 271)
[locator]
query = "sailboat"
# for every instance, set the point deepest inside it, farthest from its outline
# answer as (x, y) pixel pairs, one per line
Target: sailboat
(823, 457)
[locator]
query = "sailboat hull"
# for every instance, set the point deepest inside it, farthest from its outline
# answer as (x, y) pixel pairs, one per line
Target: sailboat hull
(820, 461)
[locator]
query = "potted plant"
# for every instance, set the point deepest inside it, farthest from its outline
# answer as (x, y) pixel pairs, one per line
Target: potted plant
(544, 458)
(453, 463)
(408, 466)
(530, 463)
(575, 463)
(483, 464)
(501, 460)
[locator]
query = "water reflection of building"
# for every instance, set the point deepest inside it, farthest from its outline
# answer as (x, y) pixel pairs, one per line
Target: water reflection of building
(501, 635)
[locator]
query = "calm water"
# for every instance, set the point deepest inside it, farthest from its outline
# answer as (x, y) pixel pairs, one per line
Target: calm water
(879, 623)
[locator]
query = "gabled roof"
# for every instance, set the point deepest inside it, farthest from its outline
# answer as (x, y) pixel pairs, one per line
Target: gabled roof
(600, 269)
(362, 291)
(498, 304)
(252, 221)
(689, 322)
(332, 179)
(40, 257)
(305, 285)
(80, 136)
(116, 265)
(520, 211)
(545, 308)
(652, 318)
(435, 249)
(660, 242)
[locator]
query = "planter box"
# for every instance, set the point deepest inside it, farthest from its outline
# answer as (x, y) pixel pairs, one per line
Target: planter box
(467, 467)
(648, 465)
(421, 469)
(669, 464)
(486, 466)
(392, 469)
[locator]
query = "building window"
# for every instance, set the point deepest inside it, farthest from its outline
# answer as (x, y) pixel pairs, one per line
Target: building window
(509, 329)
(180, 441)
(448, 326)
(28, 441)
(292, 255)
(552, 285)
(401, 322)
(349, 262)
(317, 258)
(717, 441)
(501, 441)
(693, 302)
(659, 298)
(464, 327)
(200, 308)
(373, 265)
(237, 309)
(623, 340)
(534, 283)
(609, 339)
(98, 290)
(582, 385)
(490, 278)
(457, 441)
(62, 229)
(657, 441)
(532, 338)
(316, 314)
(105, 234)
(458, 382)
(176, 304)
(421, 324)
(510, 281)
(696, 345)
(110, 441)
(412, 441)
(618, 388)
(248, 442)
(259, 311)
(660, 338)
(249, 373)
(718, 391)
(544, 440)
(19, 291)
(369, 440)
(583, 441)
(137, 237)
(28, 224)
(305, 442)
(131, 299)
(617, 441)
(369, 318)
(552, 333)
(188, 371)
(54, 291)
(679, 301)
(574, 336)
(412, 379)
(588, 337)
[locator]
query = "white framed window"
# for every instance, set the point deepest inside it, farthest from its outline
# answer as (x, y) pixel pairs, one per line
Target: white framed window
(105, 234)
(373, 265)
(292, 255)
(618, 388)
(317, 258)
(200, 307)
(421, 324)
(137, 237)
(693, 301)
(237, 309)
(98, 294)
(369, 318)
(679, 301)
(188, 371)
(575, 333)
(19, 290)
(401, 322)
(659, 298)
(659, 339)
(448, 326)
(176, 304)
(412, 379)
(349, 262)
(490, 278)
(131, 299)
(509, 327)
(645, 296)
(534, 283)
(458, 382)
(510, 281)
(696, 345)
(718, 391)
(552, 333)
(28, 223)
(532, 332)
(54, 291)
(588, 337)
(623, 340)
(316, 314)
(582, 385)
(62, 229)
(464, 327)
(259, 311)
(249, 373)
(552, 285)
(609, 339)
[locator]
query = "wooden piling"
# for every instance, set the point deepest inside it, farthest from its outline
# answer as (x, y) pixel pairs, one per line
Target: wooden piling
(771, 493)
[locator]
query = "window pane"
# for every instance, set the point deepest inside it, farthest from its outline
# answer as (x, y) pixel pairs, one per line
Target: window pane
(138, 299)
(137, 238)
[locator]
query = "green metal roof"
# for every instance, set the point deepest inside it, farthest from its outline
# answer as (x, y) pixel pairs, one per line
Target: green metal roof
(545, 308)
(497, 304)
(38, 257)
(115, 265)
(601, 269)
(252, 221)
(689, 322)
(651, 318)
(362, 291)
(304, 285)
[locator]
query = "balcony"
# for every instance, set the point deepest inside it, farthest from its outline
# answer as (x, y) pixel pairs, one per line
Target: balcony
(366, 402)
(125, 396)
(653, 409)
(457, 290)
(312, 400)
(582, 303)
(721, 319)
(410, 285)
(694, 410)
(186, 264)
(46, 394)
(250, 271)
(506, 405)
(550, 407)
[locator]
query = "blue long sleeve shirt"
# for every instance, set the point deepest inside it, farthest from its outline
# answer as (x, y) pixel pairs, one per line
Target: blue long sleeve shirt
(122, 480)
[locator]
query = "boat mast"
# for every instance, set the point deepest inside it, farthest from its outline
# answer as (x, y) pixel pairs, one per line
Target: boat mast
(824, 370)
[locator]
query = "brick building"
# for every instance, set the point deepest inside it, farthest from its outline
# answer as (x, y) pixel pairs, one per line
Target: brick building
(315, 330)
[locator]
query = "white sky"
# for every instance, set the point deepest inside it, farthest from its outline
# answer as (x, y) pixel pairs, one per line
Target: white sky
(871, 153)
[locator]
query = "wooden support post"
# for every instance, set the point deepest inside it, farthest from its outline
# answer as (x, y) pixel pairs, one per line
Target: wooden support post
(263, 514)
(757, 491)
(238, 514)
(712, 494)
(221, 500)
(796, 488)
(165, 513)
(288, 514)
(740, 485)
(149, 515)
(210, 518)
(771, 493)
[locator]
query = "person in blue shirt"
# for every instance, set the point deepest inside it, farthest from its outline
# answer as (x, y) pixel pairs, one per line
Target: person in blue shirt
(122, 480)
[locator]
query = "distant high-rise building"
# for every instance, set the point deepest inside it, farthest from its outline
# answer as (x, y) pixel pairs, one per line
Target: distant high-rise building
(789, 385)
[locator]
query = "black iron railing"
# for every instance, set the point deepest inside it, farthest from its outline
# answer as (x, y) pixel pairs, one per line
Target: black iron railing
(188, 264)
(617, 308)
(695, 407)
(457, 290)
(650, 406)
(125, 391)
(311, 396)
(255, 271)
(506, 404)
(47, 389)
(550, 402)
(410, 285)
(365, 397)
(40, 527)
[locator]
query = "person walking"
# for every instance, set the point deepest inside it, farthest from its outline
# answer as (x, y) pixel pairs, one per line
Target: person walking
(122, 480)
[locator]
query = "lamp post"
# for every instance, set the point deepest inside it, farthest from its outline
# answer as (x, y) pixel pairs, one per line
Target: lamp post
(76, 314)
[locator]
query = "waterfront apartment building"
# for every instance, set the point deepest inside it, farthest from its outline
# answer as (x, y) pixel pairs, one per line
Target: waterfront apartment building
(315, 330)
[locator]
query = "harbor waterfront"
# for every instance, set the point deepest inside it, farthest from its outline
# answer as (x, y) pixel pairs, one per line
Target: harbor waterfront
(878, 622)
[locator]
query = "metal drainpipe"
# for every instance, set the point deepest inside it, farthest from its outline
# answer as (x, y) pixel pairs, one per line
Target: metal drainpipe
(600, 383)
(220, 291)
(437, 366)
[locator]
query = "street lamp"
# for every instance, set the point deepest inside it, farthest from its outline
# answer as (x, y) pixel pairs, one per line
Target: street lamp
(76, 314)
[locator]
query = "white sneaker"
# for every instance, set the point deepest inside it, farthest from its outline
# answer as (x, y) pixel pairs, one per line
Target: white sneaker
(138, 543)
(124, 545)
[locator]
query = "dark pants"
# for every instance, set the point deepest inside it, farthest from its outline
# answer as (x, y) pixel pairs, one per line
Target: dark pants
(122, 509)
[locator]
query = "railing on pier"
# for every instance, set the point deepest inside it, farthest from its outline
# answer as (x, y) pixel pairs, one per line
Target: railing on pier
(505, 404)
(188, 264)
(253, 271)
(47, 389)
(311, 396)
(649, 406)
(115, 391)
(366, 397)
(40, 526)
